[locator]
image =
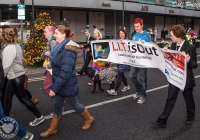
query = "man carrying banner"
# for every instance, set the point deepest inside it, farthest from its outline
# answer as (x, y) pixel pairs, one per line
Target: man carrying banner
(178, 37)
(89, 52)
(141, 86)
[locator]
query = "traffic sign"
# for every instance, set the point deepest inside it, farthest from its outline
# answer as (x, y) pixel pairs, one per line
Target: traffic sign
(21, 11)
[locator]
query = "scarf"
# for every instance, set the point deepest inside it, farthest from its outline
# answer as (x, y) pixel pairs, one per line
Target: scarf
(57, 48)
(51, 38)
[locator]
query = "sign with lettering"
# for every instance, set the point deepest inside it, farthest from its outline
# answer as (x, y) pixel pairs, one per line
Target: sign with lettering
(144, 8)
(106, 4)
(171, 11)
(144, 55)
(21, 11)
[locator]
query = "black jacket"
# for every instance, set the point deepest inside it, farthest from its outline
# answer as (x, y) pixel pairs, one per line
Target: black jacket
(191, 51)
(88, 45)
(1, 76)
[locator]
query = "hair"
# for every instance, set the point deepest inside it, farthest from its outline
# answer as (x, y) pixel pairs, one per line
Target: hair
(51, 29)
(122, 30)
(5, 26)
(9, 35)
(65, 30)
(179, 31)
(100, 35)
(138, 20)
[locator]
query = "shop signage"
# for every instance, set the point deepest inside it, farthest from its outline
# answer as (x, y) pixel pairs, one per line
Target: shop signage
(171, 11)
(144, 8)
(106, 4)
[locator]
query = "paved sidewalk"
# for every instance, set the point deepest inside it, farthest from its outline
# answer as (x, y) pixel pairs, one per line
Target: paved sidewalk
(33, 70)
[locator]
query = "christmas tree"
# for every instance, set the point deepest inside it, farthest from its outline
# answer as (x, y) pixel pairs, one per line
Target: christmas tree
(33, 50)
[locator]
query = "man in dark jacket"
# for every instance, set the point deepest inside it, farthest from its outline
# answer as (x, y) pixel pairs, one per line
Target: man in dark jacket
(178, 37)
(89, 52)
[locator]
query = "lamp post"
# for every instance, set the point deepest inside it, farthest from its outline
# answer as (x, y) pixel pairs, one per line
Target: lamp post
(33, 19)
(123, 14)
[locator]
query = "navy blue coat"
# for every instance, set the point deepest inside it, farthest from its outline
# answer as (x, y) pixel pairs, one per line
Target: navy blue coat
(64, 74)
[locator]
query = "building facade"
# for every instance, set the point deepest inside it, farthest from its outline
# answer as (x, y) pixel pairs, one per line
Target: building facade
(106, 15)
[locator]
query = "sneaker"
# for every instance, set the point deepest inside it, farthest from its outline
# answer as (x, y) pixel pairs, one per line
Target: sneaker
(125, 88)
(136, 95)
(79, 73)
(90, 83)
(141, 100)
(28, 137)
(189, 121)
(37, 121)
(112, 92)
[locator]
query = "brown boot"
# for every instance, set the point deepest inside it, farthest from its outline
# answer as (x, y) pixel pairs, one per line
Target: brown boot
(34, 100)
(53, 127)
(88, 119)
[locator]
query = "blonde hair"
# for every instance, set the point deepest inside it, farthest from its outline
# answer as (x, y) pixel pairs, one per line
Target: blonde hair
(65, 30)
(9, 35)
(100, 35)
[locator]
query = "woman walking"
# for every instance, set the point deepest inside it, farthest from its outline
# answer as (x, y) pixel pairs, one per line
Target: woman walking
(49, 32)
(63, 59)
(22, 132)
(121, 70)
(14, 70)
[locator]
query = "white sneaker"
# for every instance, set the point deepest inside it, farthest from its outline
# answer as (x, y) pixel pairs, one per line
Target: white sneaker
(136, 95)
(125, 88)
(90, 83)
(37, 121)
(141, 100)
(112, 92)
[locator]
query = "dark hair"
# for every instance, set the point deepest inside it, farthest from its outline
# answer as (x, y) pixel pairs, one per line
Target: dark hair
(5, 26)
(65, 30)
(122, 30)
(179, 31)
(9, 35)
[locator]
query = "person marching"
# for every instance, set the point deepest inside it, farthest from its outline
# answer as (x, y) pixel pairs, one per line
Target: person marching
(63, 59)
(178, 37)
(15, 72)
(121, 70)
(22, 132)
(89, 52)
(141, 86)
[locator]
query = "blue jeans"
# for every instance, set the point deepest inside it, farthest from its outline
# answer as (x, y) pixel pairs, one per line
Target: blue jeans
(21, 131)
(72, 101)
(141, 86)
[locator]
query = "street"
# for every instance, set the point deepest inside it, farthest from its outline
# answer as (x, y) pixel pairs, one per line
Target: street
(116, 117)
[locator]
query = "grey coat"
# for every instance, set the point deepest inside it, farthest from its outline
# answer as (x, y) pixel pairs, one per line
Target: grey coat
(49, 47)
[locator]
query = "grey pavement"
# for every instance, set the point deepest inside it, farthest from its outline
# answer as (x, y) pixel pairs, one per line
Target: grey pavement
(33, 70)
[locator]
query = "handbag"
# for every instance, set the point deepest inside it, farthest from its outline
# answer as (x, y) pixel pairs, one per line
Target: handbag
(46, 62)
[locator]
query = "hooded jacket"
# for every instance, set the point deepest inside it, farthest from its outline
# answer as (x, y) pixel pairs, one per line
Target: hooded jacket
(64, 74)
(141, 37)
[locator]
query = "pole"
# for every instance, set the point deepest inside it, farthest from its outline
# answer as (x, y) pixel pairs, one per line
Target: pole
(21, 24)
(122, 14)
(33, 22)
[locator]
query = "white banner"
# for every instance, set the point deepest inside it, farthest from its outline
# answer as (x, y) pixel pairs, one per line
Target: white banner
(145, 55)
